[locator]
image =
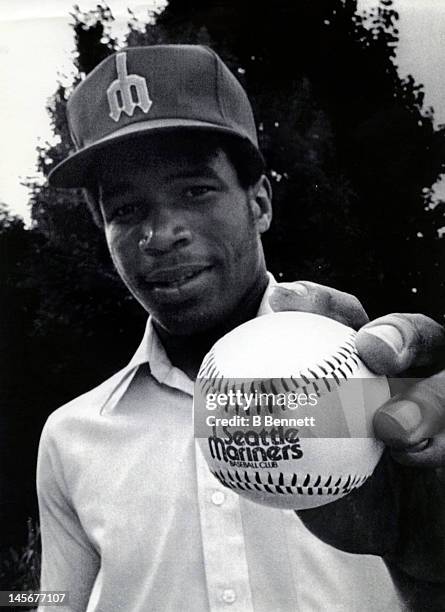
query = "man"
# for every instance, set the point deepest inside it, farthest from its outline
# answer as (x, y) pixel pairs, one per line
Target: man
(131, 517)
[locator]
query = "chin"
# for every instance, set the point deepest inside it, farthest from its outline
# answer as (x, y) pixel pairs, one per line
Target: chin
(190, 323)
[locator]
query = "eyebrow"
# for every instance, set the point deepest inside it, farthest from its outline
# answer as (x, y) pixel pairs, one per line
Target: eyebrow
(205, 171)
(117, 190)
(124, 187)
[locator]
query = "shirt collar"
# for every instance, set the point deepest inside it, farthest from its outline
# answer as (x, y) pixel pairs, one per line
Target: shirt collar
(264, 305)
(151, 351)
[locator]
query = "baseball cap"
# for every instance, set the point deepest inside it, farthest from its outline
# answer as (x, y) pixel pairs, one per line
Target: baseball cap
(141, 91)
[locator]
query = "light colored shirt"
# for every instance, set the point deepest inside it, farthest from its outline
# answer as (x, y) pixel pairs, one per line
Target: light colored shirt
(133, 521)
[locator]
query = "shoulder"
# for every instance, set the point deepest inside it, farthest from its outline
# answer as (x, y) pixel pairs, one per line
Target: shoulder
(71, 437)
(81, 412)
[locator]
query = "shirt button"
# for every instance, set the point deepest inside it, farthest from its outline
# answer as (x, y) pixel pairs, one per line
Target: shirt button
(228, 596)
(218, 498)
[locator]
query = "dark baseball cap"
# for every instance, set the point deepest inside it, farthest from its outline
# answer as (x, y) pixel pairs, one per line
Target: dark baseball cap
(142, 91)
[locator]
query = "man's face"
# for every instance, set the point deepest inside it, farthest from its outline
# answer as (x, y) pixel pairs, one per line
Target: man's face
(184, 235)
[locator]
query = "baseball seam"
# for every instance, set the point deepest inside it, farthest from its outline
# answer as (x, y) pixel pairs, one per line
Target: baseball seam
(308, 484)
(340, 366)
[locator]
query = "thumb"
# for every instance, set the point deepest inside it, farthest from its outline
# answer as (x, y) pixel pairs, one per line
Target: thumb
(413, 423)
(305, 296)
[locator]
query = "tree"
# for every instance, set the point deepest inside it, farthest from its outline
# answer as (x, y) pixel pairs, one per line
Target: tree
(352, 153)
(18, 437)
(67, 321)
(352, 150)
(81, 297)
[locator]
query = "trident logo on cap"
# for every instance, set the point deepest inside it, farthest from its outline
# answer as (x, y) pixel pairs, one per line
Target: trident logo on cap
(127, 92)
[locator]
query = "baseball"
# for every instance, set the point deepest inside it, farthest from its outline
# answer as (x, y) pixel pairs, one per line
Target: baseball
(284, 409)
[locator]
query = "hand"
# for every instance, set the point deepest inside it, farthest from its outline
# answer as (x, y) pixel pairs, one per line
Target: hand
(399, 513)
(412, 423)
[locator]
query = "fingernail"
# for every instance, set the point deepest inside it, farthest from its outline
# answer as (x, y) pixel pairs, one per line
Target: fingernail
(389, 334)
(417, 448)
(297, 288)
(406, 418)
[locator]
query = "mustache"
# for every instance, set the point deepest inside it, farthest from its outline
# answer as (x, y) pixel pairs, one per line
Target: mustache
(172, 265)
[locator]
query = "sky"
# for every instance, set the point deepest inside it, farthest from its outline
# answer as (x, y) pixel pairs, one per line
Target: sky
(36, 43)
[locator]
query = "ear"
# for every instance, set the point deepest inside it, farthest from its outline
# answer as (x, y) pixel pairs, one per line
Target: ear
(260, 201)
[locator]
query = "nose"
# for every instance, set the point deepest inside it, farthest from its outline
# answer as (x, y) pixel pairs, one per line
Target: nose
(163, 232)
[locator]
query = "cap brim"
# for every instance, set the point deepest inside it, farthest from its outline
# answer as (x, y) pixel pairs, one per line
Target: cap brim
(75, 171)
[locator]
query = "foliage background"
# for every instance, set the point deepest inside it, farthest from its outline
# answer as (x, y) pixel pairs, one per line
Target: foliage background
(352, 152)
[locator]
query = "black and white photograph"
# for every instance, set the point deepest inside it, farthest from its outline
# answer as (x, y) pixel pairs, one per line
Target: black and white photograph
(222, 288)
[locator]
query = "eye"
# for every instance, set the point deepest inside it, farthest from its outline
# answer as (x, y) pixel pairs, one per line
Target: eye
(197, 191)
(122, 212)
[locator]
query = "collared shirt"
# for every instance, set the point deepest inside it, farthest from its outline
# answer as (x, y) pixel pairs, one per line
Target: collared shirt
(132, 519)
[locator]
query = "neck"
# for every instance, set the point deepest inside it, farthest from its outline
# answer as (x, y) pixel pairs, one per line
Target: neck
(187, 352)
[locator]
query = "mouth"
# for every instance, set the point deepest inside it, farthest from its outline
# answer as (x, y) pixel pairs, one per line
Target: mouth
(175, 278)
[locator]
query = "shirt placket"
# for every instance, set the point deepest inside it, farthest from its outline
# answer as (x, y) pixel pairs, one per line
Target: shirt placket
(227, 574)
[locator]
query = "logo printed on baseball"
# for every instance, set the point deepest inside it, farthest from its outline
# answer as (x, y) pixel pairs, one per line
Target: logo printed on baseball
(299, 455)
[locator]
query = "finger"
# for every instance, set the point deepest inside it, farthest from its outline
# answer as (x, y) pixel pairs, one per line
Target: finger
(432, 455)
(396, 342)
(304, 296)
(413, 423)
